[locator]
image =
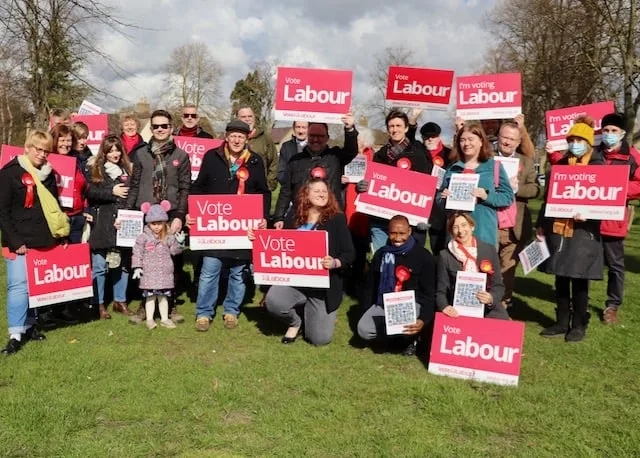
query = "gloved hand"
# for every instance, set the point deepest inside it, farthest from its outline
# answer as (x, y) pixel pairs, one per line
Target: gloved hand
(180, 237)
(422, 227)
(362, 186)
(137, 273)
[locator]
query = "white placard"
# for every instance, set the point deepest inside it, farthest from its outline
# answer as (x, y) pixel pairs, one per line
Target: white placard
(439, 173)
(533, 255)
(511, 166)
(355, 170)
(88, 108)
(399, 311)
(461, 187)
(464, 297)
(131, 225)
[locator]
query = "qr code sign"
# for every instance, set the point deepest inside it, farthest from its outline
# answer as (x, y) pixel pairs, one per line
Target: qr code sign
(465, 295)
(461, 191)
(400, 314)
(130, 229)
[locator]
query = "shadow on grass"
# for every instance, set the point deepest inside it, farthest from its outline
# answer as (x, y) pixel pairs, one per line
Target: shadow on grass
(632, 264)
(521, 311)
(535, 288)
(267, 324)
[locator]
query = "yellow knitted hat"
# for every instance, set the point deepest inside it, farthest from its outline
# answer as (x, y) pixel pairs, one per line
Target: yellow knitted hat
(582, 130)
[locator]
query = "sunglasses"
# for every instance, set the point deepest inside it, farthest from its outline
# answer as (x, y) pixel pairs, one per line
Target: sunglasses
(190, 115)
(160, 126)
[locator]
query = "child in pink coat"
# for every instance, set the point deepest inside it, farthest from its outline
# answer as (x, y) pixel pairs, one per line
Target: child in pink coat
(152, 264)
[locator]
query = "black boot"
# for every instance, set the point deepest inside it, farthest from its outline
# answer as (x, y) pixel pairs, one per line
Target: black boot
(561, 326)
(579, 323)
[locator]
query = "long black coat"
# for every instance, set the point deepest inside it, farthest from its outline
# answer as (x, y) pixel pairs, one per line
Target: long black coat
(104, 206)
(20, 225)
(215, 178)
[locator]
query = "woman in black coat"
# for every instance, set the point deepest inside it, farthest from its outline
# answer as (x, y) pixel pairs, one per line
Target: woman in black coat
(464, 252)
(317, 209)
(24, 226)
(109, 176)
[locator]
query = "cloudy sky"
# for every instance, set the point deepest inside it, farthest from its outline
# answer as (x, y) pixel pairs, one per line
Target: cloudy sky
(344, 34)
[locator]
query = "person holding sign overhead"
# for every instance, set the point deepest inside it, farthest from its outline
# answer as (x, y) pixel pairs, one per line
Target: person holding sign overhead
(316, 209)
(575, 246)
(232, 168)
(466, 253)
(401, 265)
(473, 155)
(28, 195)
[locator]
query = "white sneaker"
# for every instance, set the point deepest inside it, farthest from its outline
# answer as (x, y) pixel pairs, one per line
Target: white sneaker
(151, 325)
(167, 324)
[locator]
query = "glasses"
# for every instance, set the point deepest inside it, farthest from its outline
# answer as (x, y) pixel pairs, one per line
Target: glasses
(317, 137)
(511, 139)
(160, 126)
(190, 115)
(41, 151)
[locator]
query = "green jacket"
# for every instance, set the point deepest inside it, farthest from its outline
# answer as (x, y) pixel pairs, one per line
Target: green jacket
(262, 144)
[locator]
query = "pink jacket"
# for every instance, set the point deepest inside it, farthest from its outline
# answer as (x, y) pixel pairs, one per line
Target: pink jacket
(154, 257)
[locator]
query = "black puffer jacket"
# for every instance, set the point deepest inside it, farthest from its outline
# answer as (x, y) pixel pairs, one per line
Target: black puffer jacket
(20, 225)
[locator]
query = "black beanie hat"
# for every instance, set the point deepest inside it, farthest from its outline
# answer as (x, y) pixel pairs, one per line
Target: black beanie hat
(613, 119)
(238, 126)
(430, 129)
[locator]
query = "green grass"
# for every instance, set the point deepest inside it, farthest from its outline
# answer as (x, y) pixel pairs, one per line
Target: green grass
(111, 389)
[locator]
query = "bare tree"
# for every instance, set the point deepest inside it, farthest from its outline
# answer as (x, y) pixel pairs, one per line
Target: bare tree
(194, 76)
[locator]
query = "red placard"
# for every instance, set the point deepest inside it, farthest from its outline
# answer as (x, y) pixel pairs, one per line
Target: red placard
(594, 191)
(58, 274)
(222, 221)
(9, 152)
(495, 96)
(312, 94)
(98, 128)
(196, 148)
(396, 191)
(481, 349)
(64, 168)
(560, 121)
(290, 258)
(419, 87)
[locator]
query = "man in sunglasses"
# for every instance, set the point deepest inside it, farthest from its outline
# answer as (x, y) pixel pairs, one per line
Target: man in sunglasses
(161, 171)
(190, 127)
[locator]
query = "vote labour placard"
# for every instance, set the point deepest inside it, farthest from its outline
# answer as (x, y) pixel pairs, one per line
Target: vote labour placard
(9, 152)
(290, 258)
(419, 87)
(560, 121)
(222, 221)
(594, 191)
(481, 349)
(196, 148)
(495, 96)
(396, 191)
(64, 168)
(309, 94)
(98, 128)
(58, 274)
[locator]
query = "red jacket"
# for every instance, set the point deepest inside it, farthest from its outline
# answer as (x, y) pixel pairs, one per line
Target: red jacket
(79, 189)
(624, 156)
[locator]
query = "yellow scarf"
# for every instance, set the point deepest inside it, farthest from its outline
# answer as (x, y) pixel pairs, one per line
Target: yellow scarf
(235, 165)
(564, 226)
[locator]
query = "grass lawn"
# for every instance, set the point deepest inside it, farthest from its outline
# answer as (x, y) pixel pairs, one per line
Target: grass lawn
(107, 388)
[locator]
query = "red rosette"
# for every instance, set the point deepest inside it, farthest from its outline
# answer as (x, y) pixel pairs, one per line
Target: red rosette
(468, 171)
(28, 181)
(486, 267)
(242, 174)
(176, 163)
(403, 163)
(438, 161)
(402, 274)
(319, 172)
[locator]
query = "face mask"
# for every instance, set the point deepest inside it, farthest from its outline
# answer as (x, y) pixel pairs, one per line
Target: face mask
(610, 139)
(577, 149)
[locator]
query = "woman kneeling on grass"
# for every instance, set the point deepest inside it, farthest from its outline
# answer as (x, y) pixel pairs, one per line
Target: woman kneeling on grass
(317, 210)
(466, 253)
(24, 224)
(575, 246)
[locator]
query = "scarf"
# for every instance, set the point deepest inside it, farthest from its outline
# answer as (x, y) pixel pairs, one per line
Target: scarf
(113, 170)
(42, 173)
(468, 256)
(130, 142)
(393, 151)
(564, 226)
(159, 151)
(300, 144)
(388, 264)
(235, 165)
(436, 152)
(188, 132)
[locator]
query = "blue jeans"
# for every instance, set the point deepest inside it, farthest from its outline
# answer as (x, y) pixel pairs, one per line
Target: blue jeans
(100, 271)
(210, 281)
(19, 316)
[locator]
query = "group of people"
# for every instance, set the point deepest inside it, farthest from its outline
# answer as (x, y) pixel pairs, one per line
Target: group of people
(155, 176)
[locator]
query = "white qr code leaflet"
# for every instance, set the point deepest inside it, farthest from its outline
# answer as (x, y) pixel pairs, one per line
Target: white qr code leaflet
(131, 225)
(439, 173)
(533, 255)
(355, 170)
(464, 297)
(399, 310)
(461, 187)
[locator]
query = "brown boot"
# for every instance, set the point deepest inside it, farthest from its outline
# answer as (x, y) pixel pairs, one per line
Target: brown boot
(104, 315)
(121, 307)
(140, 316)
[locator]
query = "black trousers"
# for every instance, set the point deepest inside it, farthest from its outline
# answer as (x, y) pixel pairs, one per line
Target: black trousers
(613, 248)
